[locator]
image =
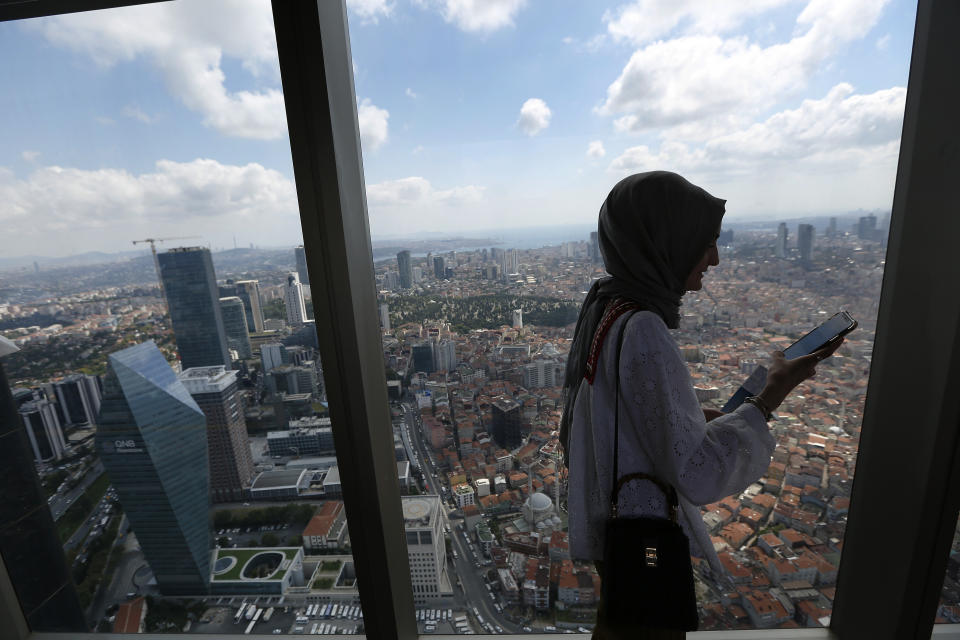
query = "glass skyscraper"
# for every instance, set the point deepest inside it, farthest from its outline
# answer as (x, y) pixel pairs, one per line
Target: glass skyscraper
(194, 302)
(405, 269)
(151, 437)
(301, 258)
(235, 326)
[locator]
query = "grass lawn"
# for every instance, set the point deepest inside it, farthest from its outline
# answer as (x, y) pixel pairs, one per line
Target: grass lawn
(322, 583)
(331, 565)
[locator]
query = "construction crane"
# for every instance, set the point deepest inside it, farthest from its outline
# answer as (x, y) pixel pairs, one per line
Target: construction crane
(156, 263)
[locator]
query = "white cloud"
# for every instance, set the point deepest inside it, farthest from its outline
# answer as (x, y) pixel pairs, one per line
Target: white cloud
(534, 116)
(717, 83)
(69, 200)
(30, 156)
(644, 21)
(476, 16)
(373, 124)
(883, 42)
(595, 149)
(410, 93)
(105, 121)
(841, 132)
(370, 10)
(187, 42)
(136, 113)
(416, 191)
(417, 149)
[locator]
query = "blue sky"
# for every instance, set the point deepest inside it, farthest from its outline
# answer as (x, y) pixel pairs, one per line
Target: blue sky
(167, 120)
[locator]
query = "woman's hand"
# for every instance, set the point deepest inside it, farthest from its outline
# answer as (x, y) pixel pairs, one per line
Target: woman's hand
(784, 375)
(710, 414)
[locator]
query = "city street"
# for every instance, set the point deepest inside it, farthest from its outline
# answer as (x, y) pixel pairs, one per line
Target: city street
(471, 592)
(60, 504)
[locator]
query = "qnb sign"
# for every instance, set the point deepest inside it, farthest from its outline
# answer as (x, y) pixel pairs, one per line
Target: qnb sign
(122, 446)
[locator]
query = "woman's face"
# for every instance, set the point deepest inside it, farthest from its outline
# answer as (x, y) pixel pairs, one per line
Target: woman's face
(711, 257)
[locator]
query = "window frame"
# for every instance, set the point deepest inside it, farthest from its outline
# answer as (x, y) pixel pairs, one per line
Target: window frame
(317, 78)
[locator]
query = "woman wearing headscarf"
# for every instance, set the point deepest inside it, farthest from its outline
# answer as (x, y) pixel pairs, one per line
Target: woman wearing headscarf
(657, 233)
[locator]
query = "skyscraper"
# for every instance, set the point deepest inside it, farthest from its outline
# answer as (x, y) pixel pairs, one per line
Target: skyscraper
(595, 248)
(300, 255)
(867, 227)
(293, 301)
(405, 269)
(235, 326)
(422, 355)
(152, 439)
(194, 302)
(384, 316)
(805, 234)
(506, 422)
(249, 292)
(426, 549)
(445, 355)
(43, 429)
(216, 392)
(79, 398)
(780, 248)
(272, 355)
(518, 319)
(832, 228)
(439, 270)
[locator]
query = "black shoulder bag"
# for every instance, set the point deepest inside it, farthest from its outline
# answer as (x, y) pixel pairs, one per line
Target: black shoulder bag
(647, 575)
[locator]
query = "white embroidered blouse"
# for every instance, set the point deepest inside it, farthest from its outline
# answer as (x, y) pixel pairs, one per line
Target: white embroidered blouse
(663, 432)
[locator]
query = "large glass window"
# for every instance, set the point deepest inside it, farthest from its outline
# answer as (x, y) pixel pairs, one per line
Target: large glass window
(491, 137)
(154, 278)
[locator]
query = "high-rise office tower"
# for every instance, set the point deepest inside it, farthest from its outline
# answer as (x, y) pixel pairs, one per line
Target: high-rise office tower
(805, 234)
(780, 248)
(152, 439)
(79, 398)
(249, 292)
(43, 430)
(426, 549)
(422, 355)
(445, 355)
(235, 326)
(595, 248)
(405, 269)
(832, 228)
(301, 257)
(506, 422)
(194, 302)
(512, 261)
(518, 319)
(216, 392)
(384, 316)
(867, 227)
(272, 355)
(293, 301)
(439, 270)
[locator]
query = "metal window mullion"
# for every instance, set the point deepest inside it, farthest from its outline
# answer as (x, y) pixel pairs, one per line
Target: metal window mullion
(902, 511)
(317, 76)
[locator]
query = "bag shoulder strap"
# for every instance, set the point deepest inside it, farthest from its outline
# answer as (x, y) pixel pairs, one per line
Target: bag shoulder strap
(619, 481)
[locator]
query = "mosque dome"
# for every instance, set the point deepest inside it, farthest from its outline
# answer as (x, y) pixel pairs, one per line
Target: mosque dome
(537, 508)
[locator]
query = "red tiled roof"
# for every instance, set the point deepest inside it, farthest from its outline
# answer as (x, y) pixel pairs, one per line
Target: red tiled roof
(129, 615)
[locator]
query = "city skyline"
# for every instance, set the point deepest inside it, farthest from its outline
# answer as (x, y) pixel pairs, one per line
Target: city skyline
(150, 147)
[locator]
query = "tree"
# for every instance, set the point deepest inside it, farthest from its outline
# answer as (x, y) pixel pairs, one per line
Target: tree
(269, 540)
(223, 541)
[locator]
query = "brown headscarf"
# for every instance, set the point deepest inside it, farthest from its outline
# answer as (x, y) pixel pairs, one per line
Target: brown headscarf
(653, 229)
